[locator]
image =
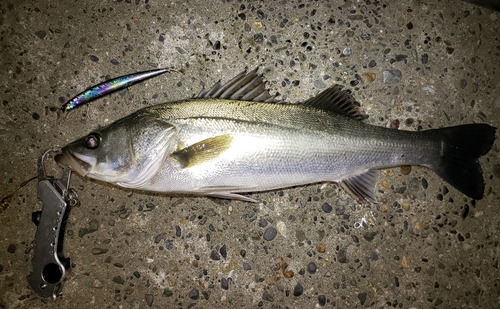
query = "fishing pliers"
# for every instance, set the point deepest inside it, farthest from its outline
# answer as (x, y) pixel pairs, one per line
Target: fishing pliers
(49, 264)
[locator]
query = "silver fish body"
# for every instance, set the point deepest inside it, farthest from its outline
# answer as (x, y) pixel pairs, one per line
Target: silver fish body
(215, 145)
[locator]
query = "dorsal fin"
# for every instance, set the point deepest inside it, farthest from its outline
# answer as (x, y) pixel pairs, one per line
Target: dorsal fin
(249, 86)
(245, 86)
(336, 100)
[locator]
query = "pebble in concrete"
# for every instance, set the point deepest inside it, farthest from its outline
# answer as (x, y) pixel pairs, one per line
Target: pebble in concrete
(270, 233)
(298, 290)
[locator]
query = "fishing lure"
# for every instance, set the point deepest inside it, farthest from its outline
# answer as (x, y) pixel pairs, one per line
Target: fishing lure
(110, 86)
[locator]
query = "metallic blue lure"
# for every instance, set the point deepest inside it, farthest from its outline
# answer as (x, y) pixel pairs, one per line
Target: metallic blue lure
(110, 86)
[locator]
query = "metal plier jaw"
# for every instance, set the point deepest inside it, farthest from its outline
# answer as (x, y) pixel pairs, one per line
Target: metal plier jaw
(49, 265)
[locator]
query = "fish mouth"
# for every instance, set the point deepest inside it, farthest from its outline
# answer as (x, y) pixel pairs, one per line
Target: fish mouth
(75, 161)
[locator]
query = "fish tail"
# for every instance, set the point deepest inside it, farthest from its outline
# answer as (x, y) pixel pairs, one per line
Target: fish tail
(458, 164)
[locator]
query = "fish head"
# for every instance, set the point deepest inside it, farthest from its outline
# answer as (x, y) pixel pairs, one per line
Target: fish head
(128, 152)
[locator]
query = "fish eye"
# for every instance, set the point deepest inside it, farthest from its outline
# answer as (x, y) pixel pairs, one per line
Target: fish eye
(92, 141)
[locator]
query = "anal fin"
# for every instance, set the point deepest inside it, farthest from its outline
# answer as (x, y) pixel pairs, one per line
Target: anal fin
(361, 186)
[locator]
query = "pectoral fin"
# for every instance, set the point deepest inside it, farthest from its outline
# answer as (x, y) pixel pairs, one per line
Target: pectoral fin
(203, 151)
(232, 196)
(361, 187)
(226, 192)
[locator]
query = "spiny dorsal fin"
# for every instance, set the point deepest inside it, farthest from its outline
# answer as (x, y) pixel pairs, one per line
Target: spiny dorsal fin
(361, 187)
(336, 100)
(203, 151)
(245, 86)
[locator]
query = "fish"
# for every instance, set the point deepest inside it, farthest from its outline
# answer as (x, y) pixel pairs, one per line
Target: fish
(237, 138)
(110, 86)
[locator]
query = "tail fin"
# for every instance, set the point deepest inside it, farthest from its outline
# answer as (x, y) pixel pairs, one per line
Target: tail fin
(461, 148)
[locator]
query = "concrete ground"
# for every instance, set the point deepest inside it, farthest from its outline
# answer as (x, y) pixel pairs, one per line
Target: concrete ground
(424, 245)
